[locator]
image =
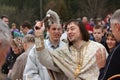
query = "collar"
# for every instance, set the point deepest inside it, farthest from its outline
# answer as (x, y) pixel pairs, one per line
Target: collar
(51, 45)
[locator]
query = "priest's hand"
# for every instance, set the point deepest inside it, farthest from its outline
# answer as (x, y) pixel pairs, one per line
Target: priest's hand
(39, 28)
(100, 58)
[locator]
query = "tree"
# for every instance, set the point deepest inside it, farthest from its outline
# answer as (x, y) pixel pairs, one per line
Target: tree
(19, 10)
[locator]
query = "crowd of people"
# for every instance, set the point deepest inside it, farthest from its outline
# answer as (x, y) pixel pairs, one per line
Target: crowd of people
(77, 50)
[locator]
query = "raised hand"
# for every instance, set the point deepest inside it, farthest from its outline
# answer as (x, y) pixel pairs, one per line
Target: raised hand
(39, 28)
(101, 58)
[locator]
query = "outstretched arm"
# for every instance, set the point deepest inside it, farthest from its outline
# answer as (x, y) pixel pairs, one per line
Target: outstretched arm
(44, 55)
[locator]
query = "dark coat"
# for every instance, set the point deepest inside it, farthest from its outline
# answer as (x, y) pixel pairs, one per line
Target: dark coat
(10, 60)
(112, 66)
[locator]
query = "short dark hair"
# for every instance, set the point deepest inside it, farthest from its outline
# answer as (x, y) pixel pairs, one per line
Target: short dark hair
(26, 24)
(109, 34)
(85, 34)
(98, 27)
(4, 16)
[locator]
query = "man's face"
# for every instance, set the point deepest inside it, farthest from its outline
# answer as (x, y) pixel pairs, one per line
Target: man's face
(115, 29)
(24, 30)
(84, 20)
(97, 33)
(73, 32)
(6, 20)
(55, 32)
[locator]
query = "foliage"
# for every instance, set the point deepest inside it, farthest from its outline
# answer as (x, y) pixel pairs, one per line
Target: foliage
(20, 10)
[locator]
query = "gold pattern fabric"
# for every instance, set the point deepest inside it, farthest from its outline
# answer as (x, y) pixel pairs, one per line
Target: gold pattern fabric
(78, 64)
(75, 64)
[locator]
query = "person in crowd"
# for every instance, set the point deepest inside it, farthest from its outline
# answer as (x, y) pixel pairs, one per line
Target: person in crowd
(18, 68)
(112, 64)
(92, 22)
(33, 66)
(26, 28)
(87, 25)
(16, 50)
(98, 34)
(16, 34)
(107, 21)
(75, 59)
(105, 30)
(5, 39)
(111, 42)
(14, 27)
(5, 19)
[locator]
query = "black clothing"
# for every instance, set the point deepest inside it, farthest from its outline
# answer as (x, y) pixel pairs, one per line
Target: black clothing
(103, 41)
(112, 66)
(10, 60)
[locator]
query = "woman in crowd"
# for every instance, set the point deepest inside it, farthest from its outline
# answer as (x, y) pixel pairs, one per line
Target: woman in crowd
(110, 42)
(16, 50)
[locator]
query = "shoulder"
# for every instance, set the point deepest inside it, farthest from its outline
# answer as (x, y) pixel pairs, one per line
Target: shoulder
(96, 44)
(32, 53)
(117, 49)
(32, 50)
(22, 56)
(62, 43)
(64, 46)
(63, 49)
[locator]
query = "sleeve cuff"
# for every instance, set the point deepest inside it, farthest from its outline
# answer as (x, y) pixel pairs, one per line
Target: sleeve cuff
(39, 42)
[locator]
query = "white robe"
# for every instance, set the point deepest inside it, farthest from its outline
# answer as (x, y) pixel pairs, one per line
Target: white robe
(63, 59)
